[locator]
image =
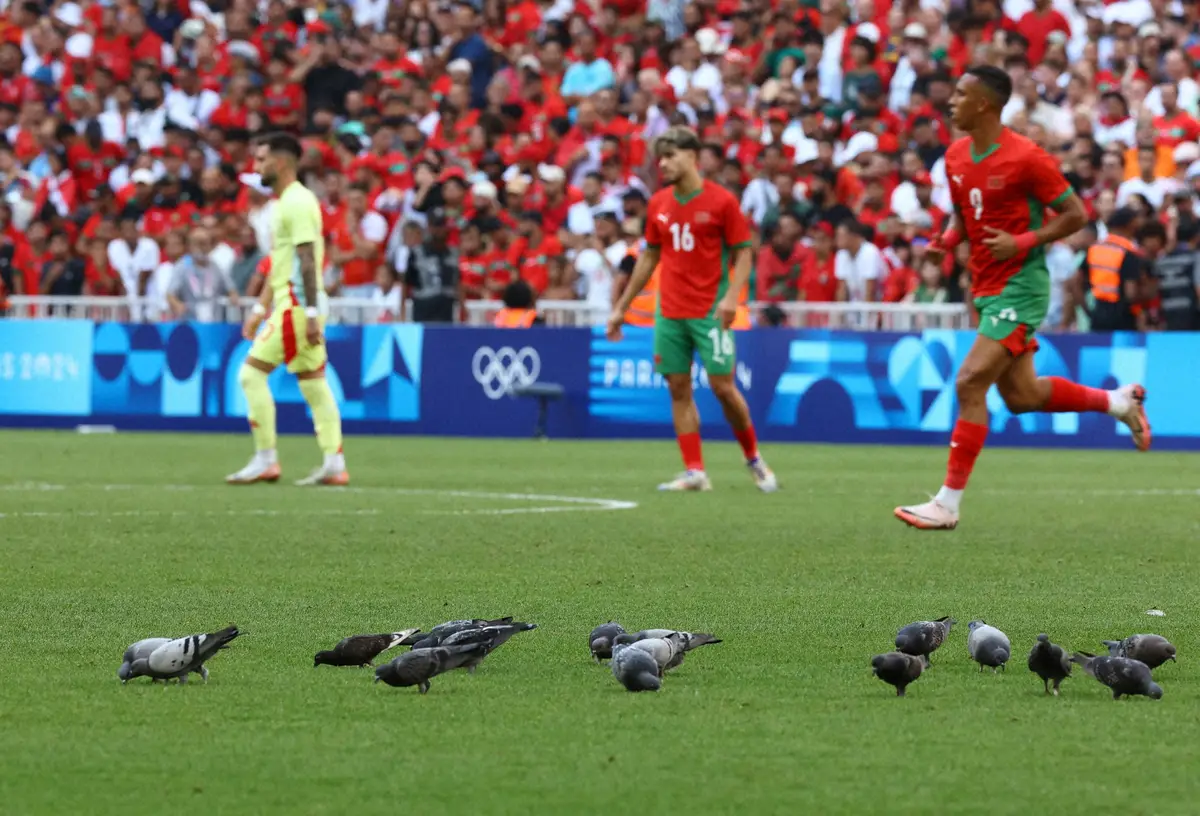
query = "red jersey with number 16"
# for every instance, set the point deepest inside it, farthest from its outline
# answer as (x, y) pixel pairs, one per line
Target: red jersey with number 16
(1008, 188)
(694, 235)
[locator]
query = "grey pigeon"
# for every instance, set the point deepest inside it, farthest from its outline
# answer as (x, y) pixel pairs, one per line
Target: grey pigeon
(444, 630)
(664, 650)
(492, 636)
(923, 637)
(635, 669)
(360, 650)
(601, 638)
(141, 651)
(987, 645)
(1121, 674)
(175, 658)
(690, 641)
(1049, 661)
(897, 669)
(1153, 650)
(418, 667)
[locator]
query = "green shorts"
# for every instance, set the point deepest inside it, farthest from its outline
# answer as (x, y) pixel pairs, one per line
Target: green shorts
(676, 342)
(1011, 319)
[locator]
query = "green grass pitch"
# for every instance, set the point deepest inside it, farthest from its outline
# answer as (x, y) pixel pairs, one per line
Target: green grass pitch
(107, 539)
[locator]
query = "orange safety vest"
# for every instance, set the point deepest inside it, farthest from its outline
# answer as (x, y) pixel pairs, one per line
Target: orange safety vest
(514, 318)
(1104, 267)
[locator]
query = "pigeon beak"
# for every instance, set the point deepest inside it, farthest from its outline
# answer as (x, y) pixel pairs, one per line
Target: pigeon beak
(1173, 660)
(376, 680)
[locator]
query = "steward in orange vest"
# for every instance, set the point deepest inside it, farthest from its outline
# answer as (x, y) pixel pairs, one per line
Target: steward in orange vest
(508, 318)
(1115, 269)
(519, 310)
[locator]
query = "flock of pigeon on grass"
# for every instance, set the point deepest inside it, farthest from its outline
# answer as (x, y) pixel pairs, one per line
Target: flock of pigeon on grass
(1125, 669)
(639, 659)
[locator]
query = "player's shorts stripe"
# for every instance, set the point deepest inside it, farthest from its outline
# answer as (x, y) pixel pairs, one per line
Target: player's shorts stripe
(289, 337)
(1061, 198)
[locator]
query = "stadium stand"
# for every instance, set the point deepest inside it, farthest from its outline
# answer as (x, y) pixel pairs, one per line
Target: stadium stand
(526, 127)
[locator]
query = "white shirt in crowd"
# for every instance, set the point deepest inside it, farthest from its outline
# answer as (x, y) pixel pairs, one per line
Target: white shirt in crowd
(131, 262)
(260, 222)
(706, 78)
(386, 305)
(581, 216)
(1155, 192)
(1189, 97)
(145, 126)
(597, 272)
(191, 112)
(856, 270)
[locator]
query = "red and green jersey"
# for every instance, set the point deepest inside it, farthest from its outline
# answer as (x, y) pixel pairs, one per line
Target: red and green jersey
(694, 235)
(1008, 188)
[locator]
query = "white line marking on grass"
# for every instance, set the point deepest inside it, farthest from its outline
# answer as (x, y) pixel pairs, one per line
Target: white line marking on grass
(554, 503)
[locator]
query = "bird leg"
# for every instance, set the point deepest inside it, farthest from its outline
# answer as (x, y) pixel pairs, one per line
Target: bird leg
(899, 691)
(1116, 694)
(424, 687)
(1057, 680)
(183, 679)
(1046, 684)
(204, 674)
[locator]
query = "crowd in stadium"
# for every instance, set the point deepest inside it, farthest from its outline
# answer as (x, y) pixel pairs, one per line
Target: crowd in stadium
(506, 150)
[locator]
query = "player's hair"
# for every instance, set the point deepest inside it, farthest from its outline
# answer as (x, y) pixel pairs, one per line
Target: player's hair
(677, 137)
(995, 81)
(283, 143)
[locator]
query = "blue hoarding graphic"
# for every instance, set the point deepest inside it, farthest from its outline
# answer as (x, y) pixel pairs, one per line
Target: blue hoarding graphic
(800, 385)
(45, 367)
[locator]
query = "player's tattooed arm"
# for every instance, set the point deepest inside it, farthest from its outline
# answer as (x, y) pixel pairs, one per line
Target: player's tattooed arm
(307, 258)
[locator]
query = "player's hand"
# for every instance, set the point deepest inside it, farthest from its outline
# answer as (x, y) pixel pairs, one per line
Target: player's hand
(615, 321)
(251, 324)
(1002, 244)
(727, 310)
(312, 331)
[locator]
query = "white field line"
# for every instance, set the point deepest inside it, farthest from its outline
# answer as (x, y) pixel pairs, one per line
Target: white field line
(554, 503)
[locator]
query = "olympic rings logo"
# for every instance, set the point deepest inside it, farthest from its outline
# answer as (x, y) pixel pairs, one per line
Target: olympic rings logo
(499, 370)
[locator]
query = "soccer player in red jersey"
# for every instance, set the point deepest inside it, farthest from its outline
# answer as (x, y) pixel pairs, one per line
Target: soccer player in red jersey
(694, 229)
(1002, 184)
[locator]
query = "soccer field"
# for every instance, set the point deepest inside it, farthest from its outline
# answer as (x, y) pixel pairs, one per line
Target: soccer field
(108, 539)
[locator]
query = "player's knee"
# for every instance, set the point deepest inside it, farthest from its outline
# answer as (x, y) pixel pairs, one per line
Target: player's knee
(248, 375)
(724, 389)
(680, 388)
(971, 385)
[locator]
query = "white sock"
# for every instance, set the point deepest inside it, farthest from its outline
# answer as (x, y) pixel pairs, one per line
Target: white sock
(949, 498)
(1118, 402)
(335, 461)
(266, 457)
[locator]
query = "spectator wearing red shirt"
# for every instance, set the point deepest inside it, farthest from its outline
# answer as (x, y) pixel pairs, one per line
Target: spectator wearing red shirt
(1036, 26)
(15, 87)
(1176, 125)
(283, 100)
(111, 47)
(91, 160)
(537, 257)
(473, 260)
(781, 262)
(147, 47)
(818, 281)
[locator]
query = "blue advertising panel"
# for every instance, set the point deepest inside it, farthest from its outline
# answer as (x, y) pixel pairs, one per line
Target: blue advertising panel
(800, 385)
(470, 372)
(45, 367)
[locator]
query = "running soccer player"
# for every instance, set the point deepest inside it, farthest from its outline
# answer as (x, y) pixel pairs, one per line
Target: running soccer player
(695, 228)
(1002, 184)
(293, 334)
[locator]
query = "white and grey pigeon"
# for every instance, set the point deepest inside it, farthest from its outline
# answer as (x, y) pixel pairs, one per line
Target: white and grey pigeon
(140, 651)
(1049, 661)
(664, 650)
(1123, 675)
(987, 645)
(1153, 650)
(601, 638)
(923, 637)
(176, 658)
(634, 668)
(690, 641)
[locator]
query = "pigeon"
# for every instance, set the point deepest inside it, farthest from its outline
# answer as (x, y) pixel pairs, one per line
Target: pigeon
(664, 650)
(601, 638)
(1153, 650)
(1123, 675)
(444, 630)
(635, 668)
(360, 650)
(175, 658)
(140, 651)
(897, 669)
(417, 668)
(691, 640)
(923, 637)
(492, 636)
(1050, 662)
(987, 645)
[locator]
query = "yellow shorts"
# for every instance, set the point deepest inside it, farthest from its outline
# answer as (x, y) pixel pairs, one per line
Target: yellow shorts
(282, 340)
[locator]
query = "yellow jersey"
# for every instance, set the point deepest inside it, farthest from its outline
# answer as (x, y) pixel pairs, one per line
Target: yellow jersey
(295, 220)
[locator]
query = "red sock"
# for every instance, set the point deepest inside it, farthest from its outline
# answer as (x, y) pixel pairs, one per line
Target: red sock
(1067, 397)
(689, 446)
(749, 442)
(965, 444)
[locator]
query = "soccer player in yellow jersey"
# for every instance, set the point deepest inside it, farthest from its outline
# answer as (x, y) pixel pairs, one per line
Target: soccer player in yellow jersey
(293, 334)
